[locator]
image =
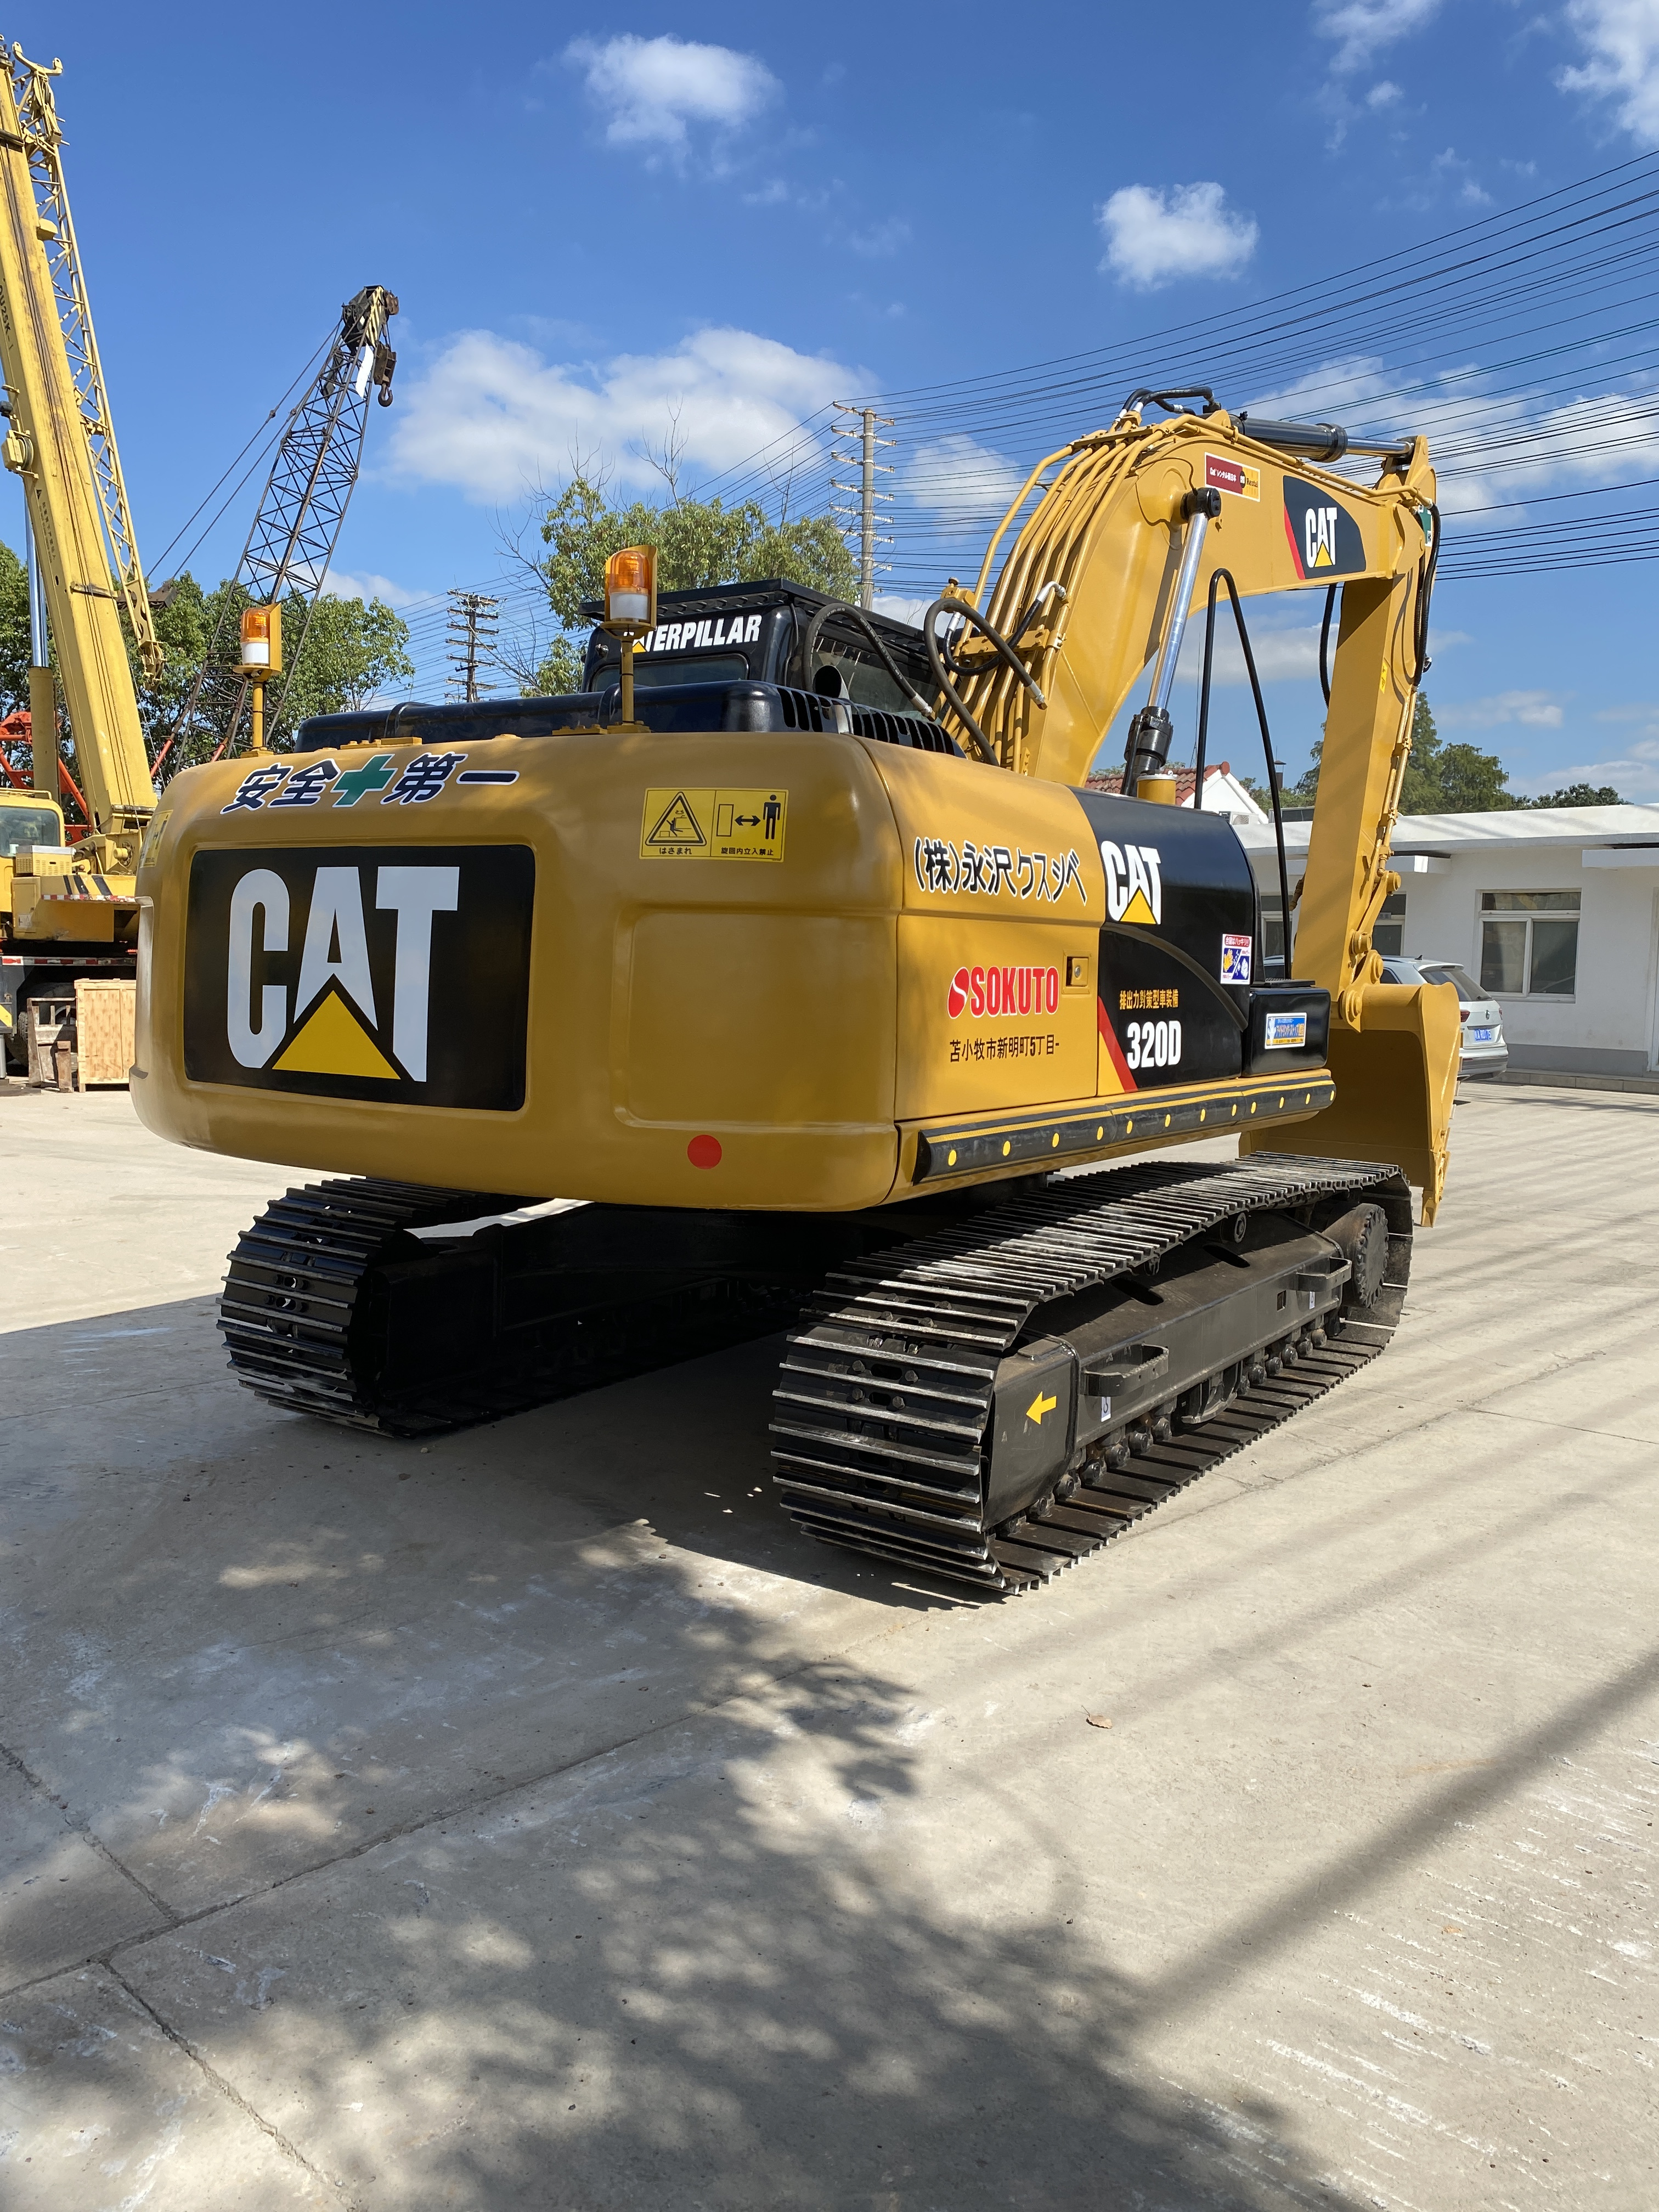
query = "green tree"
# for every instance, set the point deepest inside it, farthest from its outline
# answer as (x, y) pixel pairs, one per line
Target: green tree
(353, 650)
(1305, 790)
(183, 626)
(1439, 779)
(548, 675)
(1578, 794)
(699, 543)
(14, 632)
(1443, 779)
(350, 650)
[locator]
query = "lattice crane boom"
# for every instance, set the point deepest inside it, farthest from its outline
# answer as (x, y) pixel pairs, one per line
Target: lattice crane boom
(291, 543)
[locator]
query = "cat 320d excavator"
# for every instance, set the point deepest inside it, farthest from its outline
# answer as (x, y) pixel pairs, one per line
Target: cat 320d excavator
(809, 989)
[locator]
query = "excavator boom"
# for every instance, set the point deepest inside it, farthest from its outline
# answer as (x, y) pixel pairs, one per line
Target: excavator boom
(1120, 552)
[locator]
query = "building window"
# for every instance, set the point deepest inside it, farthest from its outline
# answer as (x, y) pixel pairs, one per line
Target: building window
(1528, 944)
(1389, 931)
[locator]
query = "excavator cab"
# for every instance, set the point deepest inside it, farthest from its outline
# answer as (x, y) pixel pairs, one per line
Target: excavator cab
(772, 632)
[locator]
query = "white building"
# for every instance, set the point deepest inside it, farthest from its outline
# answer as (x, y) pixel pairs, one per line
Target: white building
(1554, 910)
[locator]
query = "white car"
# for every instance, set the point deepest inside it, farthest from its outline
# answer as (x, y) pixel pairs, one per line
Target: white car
(1483, 1051)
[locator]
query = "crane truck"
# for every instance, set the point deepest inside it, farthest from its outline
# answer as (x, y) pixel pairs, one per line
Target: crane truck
(65, 911)
(862, 1017)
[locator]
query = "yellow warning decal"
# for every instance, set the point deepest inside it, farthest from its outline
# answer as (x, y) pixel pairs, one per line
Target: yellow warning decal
(335, 1042)
(674, 826)
(720, 825)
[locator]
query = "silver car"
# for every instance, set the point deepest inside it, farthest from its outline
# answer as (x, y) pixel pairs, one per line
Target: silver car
(1483, 1051)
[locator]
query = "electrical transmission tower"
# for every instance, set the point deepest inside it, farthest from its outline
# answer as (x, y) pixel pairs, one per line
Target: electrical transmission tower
(472, 625)
(862, 425)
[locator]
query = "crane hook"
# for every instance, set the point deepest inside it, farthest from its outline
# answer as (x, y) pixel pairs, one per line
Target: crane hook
(385, 363)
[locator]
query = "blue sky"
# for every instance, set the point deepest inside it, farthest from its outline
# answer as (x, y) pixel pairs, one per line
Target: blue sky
(721, 220)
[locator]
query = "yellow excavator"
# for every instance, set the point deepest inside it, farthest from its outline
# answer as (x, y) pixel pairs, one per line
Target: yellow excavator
(817, 971)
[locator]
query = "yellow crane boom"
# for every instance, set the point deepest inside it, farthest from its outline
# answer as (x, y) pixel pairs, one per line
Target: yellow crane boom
(60, 441)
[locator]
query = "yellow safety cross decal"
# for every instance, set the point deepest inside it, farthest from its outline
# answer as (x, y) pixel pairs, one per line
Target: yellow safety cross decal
(1040, 1406)
(720, 825)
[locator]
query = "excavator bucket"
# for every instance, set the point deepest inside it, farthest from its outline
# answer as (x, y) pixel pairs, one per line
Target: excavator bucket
(1395, 1077)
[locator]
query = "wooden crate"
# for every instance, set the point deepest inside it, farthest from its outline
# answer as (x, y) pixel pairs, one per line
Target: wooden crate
(104, 1030)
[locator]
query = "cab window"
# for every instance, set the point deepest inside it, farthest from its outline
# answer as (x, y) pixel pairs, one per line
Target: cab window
(28, 825)
(863, 679)
(651, 670)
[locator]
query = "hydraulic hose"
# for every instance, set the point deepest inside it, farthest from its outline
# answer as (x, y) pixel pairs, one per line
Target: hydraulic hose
(1325, 643)
(1224, 576)
(1146, 396)
(945, 667)
(1425, 594)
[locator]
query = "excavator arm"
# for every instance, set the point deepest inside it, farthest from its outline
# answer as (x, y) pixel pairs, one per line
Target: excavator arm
(1118, 551)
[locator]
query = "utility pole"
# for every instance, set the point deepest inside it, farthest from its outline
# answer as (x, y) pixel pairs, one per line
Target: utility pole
(862, 425)
(472, 622)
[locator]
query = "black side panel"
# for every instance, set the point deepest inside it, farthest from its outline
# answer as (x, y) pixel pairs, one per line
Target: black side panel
(1179, 943)
(1290, 1028)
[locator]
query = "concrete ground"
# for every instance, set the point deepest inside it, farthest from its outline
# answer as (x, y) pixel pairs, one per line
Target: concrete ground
(536, 1820)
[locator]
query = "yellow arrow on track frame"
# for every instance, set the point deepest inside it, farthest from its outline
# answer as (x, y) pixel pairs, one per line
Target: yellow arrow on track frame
(1040, 1406)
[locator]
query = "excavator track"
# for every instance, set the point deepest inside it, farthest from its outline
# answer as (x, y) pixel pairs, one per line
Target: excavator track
(334, 1306)
(884, 1404)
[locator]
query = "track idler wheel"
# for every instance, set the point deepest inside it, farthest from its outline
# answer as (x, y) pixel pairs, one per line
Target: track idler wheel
(1362, 1238)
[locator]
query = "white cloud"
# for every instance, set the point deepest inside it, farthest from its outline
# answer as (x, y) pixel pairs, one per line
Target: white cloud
(1486, 450)
(1621, 40)
(957, 475)
(492, 417)
(1384, 95)
(1281, 656)
(1361, 28)
(1153, 238)
(1534, 710)
(901, 609)
(342, 584)
(1450, 171)
(652, 89)
(881, 238)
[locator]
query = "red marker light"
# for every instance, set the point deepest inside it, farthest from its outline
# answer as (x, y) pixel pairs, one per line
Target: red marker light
(704, 1152)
